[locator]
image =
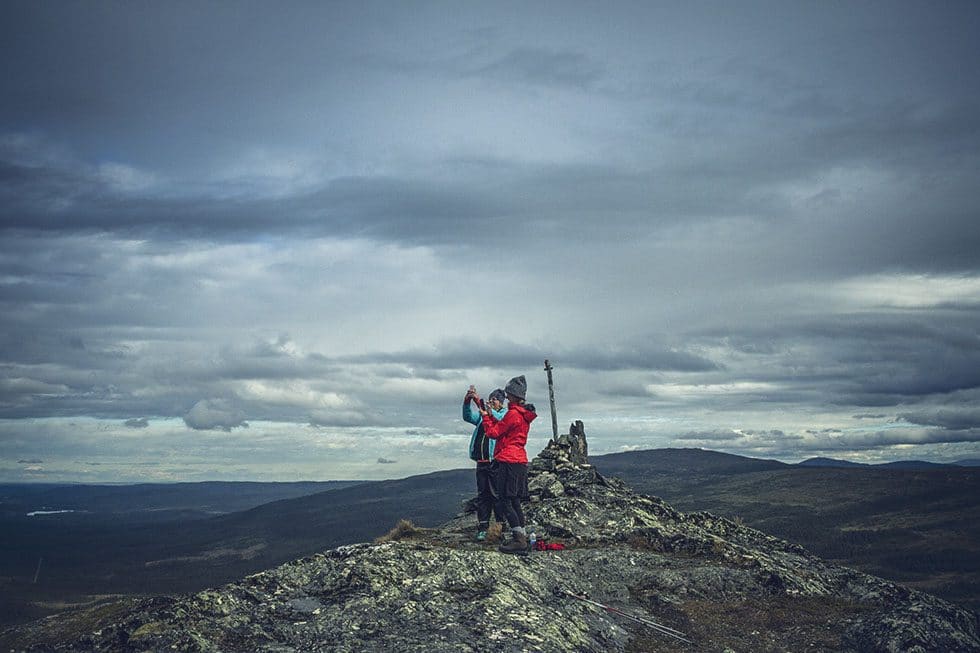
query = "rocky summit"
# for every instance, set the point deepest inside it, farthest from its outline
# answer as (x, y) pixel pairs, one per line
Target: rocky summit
(634, 575)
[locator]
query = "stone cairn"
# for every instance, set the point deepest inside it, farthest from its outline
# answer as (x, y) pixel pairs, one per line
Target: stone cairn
(569, 451)
(563, 466)
(560, 469)
(575, 443)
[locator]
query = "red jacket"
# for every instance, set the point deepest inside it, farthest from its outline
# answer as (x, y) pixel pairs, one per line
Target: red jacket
(510, 433)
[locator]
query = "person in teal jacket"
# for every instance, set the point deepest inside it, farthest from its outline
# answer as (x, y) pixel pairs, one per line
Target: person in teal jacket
(481, 450)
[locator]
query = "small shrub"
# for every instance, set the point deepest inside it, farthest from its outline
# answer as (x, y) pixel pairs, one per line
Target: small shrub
(404, 529)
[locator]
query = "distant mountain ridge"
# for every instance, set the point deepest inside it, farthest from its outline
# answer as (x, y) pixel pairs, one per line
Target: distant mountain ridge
(701, 461)
(895, 464)
(680, 461)
(205, 498)
(829, 462)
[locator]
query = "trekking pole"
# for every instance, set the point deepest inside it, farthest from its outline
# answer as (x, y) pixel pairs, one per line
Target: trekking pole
(551, 396)
(660, 628)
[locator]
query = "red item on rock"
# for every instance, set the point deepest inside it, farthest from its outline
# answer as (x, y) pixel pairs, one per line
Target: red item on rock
(545, 546)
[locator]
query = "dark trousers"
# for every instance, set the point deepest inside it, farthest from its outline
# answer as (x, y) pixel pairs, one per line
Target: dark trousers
(511, 490)
(486, 495)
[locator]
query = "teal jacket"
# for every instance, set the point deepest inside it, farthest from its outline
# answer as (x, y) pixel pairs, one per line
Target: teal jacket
(480, 444)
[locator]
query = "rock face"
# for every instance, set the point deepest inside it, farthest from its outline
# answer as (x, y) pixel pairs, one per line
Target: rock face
(725, 586)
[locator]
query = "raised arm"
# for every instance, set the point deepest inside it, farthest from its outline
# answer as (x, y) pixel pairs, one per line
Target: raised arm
(468, 413)
(495, 428)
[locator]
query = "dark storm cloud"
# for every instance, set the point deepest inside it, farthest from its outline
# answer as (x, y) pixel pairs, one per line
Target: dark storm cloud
(783, 443)
(953, 418)
(455, 355)
(68, 196)
(237, 364)
(464, 354)
(930, 229)
(870, 359)
(56, 197)
(652, 358)
(864, 441)
(889, 368)
(537, 201)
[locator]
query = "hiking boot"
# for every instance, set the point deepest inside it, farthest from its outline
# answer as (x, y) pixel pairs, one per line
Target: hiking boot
(481, 536)
(517, 544)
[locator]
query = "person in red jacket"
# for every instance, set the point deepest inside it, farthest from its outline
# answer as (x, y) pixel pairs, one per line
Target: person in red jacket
(510, 460)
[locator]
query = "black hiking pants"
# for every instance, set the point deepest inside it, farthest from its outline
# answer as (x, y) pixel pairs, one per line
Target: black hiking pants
(511, 490)
(486, 495)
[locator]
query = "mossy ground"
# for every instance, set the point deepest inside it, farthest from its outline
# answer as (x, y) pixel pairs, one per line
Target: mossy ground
(67, 626)
(777, 624)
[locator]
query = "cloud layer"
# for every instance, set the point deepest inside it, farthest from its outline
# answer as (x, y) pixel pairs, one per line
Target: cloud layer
(246, 243)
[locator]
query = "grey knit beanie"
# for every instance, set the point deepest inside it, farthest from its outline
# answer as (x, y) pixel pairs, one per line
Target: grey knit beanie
(497, 394)
(517, 387)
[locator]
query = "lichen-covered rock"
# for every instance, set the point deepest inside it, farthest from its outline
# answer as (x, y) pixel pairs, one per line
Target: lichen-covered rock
(725, 586)
(546, 486)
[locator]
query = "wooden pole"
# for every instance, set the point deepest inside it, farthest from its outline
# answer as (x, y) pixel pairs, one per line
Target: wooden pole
(551, 396)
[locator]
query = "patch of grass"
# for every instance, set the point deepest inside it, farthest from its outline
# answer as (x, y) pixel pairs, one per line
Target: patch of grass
(403, 530)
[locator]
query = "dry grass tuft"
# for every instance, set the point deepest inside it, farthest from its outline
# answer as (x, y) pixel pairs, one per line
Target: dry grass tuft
(495, 533)
(403, 530)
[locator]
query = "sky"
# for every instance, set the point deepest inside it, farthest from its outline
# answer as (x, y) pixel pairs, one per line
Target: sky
(278, 241)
